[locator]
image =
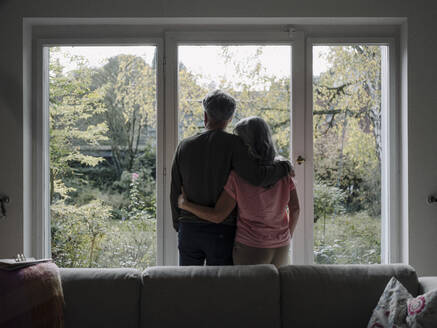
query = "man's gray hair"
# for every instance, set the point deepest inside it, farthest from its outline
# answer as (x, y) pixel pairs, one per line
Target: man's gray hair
(219, 106)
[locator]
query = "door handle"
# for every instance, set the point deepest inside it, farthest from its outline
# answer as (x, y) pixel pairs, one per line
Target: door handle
(3, 200)
(300, 160)
(431, 199)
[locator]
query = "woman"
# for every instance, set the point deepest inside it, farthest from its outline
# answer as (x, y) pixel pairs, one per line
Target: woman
(264, 228)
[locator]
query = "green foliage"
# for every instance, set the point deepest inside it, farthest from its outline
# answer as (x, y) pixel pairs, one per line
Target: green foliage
(103, 152)
(347, 125)
(129, 244)
(88, 191)
(71, 105)
(257, 94)
(77, 232)
(129, 88)
(191, 94)
(348, 239)
(327, 201)
(347, 155)
(86, 236)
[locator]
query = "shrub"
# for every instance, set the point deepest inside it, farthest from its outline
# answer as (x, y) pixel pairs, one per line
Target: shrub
(77, 232)
(348, 239)
(327, 200)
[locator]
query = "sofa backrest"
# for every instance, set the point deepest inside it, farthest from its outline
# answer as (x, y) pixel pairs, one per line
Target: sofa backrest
(336, 295)
(101, 297)
(213, 297)
(240, 296)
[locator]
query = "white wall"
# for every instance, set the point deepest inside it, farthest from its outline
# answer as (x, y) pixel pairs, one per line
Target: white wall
(422, 91)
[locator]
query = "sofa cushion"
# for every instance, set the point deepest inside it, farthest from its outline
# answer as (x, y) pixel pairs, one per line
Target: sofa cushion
(337, 295)
(397, 308)
(391, 310)
(101, 297)
(427, 284)
(422, 310)
(225, 297)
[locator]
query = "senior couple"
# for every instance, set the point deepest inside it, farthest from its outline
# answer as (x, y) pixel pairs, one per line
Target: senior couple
(232, 201)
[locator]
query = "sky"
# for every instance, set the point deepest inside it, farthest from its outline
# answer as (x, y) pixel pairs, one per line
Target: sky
(199, 59)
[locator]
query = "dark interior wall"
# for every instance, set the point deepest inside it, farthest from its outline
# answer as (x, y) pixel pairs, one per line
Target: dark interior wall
(422, 95)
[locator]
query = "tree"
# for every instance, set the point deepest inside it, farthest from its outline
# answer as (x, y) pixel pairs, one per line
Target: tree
(257, 93)
(191, 93)
(82, 207)
(327, 201)
(129, 88)
(72, 105)
(347, 124)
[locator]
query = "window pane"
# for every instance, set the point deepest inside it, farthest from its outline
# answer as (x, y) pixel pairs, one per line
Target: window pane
(258, 76)
(347, 153)
(102, 107)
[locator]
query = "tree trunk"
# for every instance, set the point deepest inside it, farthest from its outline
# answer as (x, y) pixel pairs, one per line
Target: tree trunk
(52, 186)
(93, 241)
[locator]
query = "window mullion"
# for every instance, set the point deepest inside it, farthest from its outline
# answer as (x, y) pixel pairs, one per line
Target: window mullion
(170, 254)
(301, 146)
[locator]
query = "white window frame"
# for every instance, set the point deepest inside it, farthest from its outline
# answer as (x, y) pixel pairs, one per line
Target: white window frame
(172, 41)
(41, 215)
(38, 33)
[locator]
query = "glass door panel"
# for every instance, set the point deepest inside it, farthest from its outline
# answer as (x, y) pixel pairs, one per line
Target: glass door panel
(257, 76)
(347, 149)
(103, 138)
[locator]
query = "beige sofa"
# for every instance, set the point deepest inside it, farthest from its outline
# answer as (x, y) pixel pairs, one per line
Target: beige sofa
(227, 297)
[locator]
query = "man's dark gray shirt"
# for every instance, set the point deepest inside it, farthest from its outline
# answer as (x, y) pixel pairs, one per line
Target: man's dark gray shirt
(202, 164)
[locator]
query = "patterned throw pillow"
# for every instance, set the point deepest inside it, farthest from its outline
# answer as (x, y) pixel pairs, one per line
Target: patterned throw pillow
(397, 308)
(391, 310)
(422, 310)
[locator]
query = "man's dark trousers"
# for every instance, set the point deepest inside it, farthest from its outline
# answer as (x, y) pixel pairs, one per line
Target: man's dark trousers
(205, 242)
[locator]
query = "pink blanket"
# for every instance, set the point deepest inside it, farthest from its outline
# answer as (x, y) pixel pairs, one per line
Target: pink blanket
(31, 297)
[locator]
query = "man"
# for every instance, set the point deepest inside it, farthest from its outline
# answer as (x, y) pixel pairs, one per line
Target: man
(201, 165)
